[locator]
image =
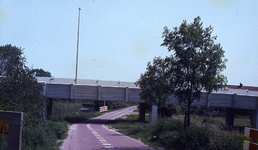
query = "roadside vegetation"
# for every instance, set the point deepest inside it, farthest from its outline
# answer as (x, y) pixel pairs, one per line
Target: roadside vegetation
(206, 133)
(20, 91)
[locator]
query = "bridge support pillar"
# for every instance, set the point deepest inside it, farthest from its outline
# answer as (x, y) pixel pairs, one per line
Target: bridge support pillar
(230, 117)
(254, 118)
(49, 107)
(153, 113)
(142, 109)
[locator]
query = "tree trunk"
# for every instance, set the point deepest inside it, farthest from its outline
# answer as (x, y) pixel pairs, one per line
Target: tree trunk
(188, 111)
(187, 115)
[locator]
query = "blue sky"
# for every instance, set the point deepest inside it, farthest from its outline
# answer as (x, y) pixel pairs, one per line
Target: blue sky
(118, 38)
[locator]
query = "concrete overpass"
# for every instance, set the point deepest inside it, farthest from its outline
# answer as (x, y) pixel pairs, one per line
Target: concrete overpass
(236, 101)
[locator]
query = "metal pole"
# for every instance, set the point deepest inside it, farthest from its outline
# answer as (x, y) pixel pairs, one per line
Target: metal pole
(77, 46)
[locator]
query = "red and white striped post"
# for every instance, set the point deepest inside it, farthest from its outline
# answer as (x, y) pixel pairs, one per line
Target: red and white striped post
(251, 133)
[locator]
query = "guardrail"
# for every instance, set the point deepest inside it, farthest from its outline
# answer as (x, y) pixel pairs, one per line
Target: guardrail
(251, 133)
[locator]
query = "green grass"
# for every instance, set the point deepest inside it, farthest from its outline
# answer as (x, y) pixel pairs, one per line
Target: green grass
(238, 122)
(207, 132)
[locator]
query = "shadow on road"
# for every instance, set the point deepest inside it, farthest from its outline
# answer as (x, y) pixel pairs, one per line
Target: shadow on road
(129, 148)
(105, 121)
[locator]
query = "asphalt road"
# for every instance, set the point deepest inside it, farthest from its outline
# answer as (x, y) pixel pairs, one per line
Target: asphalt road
(93, 135)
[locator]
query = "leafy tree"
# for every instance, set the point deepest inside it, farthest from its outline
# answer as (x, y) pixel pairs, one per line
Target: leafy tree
(19, 90)
(197, 62)
(155, 83)
(40, 73)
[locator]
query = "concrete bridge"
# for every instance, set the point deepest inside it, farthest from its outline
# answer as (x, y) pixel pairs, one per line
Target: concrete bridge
(236, 101)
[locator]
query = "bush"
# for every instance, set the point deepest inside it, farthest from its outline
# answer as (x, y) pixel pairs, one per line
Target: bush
(64, 108)
(193, 138)
(227, 140)
(169, 110)
(44, 135)
(161, 127)
(170, 134)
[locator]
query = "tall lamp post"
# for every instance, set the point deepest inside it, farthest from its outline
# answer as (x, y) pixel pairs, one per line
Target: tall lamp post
(77, 47)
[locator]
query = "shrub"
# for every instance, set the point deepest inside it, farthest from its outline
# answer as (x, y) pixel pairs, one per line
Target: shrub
(193, 138)
(64, 108)
(169, 110)
(44, 135)
(170, 134)
(158, 130)
(227, 140)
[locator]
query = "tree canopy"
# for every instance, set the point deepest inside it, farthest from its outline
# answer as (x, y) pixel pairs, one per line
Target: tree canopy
(19, 90)
(155, 83)
(196, 64)
(40, 73)
(198, 61)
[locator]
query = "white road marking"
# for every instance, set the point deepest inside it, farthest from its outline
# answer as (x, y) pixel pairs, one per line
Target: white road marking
(110, 116)
(109, 147)
(101, 139)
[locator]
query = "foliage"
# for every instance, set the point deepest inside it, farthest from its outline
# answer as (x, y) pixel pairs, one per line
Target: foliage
(155, 84)
(44, 135)
(81, 117)
(20, 91)
(197, 62)
(169, 133)
(169, 110)
(40, 73)
(64, 108)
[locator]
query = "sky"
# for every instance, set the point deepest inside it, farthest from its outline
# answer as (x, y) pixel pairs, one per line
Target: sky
(117, 38)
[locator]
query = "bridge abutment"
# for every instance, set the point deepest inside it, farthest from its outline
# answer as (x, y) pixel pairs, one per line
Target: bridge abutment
(254, 118)
(230, 114)
(152, 112)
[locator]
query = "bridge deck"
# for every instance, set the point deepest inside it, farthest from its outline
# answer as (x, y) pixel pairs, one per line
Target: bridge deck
(131, 94)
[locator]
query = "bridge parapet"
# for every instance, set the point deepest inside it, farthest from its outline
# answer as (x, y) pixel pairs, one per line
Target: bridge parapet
(93, 92)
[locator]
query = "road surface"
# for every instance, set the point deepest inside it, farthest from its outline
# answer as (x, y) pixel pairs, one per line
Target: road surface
(93, 135)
